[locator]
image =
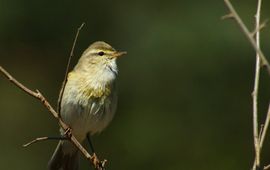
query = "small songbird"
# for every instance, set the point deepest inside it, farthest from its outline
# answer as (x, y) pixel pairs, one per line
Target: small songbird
(89, 101)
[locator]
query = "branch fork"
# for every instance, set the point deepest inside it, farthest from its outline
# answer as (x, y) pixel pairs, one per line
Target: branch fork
(233, 14)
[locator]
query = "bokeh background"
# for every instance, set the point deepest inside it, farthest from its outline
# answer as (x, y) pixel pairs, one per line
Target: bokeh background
(184, 87)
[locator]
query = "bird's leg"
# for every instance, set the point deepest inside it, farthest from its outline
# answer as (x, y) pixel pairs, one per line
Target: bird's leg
(90, 143)
(98, 164)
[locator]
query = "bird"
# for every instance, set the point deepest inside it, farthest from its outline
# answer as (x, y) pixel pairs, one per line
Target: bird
(88, 102)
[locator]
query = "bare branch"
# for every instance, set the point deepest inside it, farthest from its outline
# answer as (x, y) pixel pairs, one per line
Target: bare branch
(260, 60)
(249, 36)
(93, 159)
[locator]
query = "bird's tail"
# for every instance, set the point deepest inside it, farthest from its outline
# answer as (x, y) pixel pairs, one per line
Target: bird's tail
(65, 157)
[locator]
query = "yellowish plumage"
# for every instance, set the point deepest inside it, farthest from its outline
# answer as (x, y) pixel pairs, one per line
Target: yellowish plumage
(89, 100)
(88, 91)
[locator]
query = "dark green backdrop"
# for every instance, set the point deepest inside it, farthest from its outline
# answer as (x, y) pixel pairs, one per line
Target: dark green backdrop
(184, 87)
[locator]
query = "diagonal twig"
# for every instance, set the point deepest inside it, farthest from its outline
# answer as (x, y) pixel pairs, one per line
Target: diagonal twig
(67, 69)
(93, 159)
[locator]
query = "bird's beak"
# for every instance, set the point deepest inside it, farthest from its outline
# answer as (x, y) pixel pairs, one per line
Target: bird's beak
(118, 54)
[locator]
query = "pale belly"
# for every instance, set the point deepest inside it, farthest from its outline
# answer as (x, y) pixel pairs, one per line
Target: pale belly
(90, 117)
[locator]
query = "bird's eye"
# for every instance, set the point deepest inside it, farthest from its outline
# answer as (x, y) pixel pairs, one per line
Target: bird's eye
(101, 53)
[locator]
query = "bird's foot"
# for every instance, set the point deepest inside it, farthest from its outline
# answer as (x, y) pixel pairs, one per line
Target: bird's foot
(97, 163)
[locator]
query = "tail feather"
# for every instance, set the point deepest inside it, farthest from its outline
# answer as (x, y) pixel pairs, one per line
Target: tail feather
(62, 160)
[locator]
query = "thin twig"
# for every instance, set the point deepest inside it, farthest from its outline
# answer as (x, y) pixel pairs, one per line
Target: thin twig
(67, 69)
(256, 88)
(227, 16)
(266, 167)
(39, 139)
(261, 130)
(248, 34)
(262, 25)
(265, 128)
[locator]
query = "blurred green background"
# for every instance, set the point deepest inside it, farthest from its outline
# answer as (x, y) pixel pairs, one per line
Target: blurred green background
(184, 87)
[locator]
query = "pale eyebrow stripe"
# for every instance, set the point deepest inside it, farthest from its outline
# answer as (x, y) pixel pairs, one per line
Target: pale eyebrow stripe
(95, 51)
(90, 51)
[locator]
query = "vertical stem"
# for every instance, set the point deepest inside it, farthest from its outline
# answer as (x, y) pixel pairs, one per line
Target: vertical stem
(256, 88)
